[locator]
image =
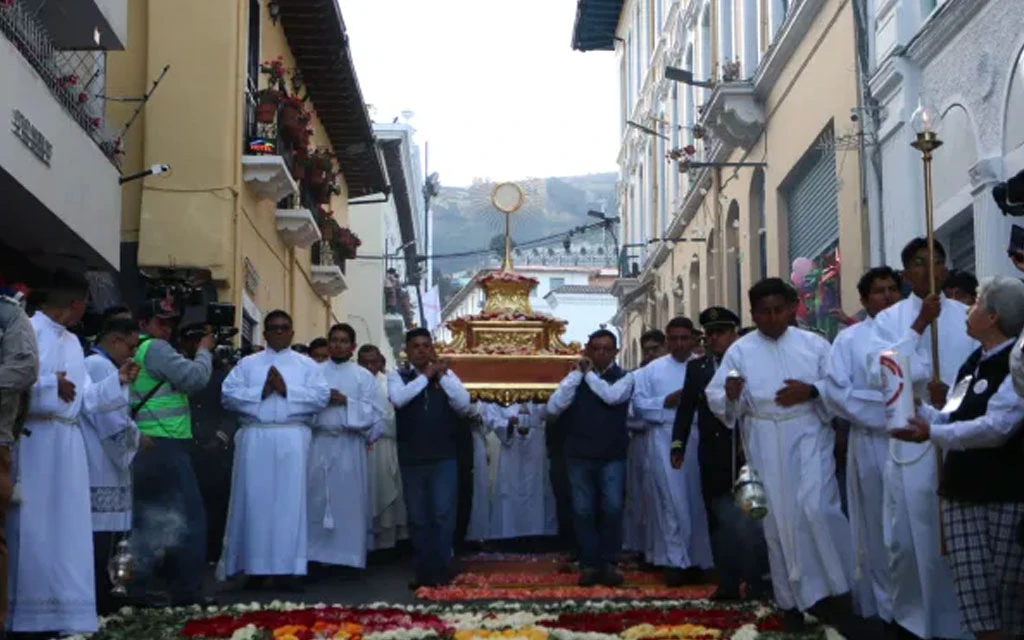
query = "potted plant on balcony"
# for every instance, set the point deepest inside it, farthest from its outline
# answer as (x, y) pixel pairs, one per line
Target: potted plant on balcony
(268, 100)
(293, 117)
(347, 242)
(319, 168)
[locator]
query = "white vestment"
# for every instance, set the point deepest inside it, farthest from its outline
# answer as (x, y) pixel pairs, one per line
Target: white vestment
(634, 522)
(49, 535)
(339, 497)
(924, 601)
(388, 517)
(673, 502)
(111, 441)
(793, 451)
(267, 528)
(480, 512)
(522, 503)
(850, 394)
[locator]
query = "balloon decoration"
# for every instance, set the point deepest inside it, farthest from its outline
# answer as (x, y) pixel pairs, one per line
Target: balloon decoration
(817, 283)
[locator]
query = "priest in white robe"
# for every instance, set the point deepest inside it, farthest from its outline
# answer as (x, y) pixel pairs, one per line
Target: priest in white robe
(51, 579)
(924, 600)
(849, 392)
(790, 444)
(111, 441)
(339, 499)
(674, 502)
(277, 394)
(523, 504)
(484, 480)
(388, 523)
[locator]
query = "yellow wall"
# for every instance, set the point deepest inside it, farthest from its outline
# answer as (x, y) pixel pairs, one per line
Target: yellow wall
(203, 215)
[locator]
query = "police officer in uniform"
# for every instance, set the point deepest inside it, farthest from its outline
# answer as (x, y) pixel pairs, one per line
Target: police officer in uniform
(738, 543)
(169, 519)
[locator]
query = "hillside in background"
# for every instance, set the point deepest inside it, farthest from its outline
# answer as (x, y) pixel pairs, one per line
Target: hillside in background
(466, 221)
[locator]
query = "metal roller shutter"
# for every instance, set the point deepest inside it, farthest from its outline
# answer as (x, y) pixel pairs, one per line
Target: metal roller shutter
(959, 244)
(812, 200)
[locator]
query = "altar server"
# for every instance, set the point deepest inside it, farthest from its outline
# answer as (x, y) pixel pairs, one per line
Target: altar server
(388, 519)
(676, 506)
(484, 472)
(523, 504)
(790, 444)
(339, 498)
(634, 516)
(850, 394)
(111, 440)
(277, 393)
(49, 533)
(593, 401)
(924, 601)
(430, 402)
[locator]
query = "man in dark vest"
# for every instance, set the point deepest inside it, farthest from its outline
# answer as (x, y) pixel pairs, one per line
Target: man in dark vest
(593, 402)
(738, 544)
(430, 402)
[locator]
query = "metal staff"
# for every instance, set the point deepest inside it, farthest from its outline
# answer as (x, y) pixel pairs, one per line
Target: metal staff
(925, 121)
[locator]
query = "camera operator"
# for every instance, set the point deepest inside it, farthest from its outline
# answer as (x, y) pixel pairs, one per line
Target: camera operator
(169, 516)
(213, 431)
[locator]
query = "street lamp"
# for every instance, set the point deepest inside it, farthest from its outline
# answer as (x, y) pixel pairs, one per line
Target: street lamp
(685, 77)
(153, 170)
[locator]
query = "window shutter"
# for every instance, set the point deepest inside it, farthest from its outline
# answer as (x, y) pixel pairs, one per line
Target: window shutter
(813, 203)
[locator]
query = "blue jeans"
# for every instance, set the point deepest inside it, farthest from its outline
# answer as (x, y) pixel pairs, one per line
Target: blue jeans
(738, 544)
(598, 487)
(431, 496)
(168, 520)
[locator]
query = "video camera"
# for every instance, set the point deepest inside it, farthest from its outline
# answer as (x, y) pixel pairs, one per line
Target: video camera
(1009, 195)
(188, 293)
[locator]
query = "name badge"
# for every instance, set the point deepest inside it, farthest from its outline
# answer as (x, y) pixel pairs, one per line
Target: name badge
(980, 386)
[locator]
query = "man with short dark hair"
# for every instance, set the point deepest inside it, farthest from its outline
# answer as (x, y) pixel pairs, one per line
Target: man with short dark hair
(111, 441)
(593, 402)
(429, 400)
(337, 481)
(737, 541)
(677, 519)
(277, 394)
(961, 286)
(923, 598)
(652, 346)
(319, 350)
(850, 394)
(769, 381)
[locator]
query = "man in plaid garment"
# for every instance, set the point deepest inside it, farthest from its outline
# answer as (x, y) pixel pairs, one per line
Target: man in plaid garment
(983, 498)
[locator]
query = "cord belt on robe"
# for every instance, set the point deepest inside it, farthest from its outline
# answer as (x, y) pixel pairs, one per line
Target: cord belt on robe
(276, 425)
(49, 417)
(788, 539)
(325, 463)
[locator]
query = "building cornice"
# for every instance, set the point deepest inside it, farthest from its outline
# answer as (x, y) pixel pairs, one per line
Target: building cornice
(785, 45)
(941, 28)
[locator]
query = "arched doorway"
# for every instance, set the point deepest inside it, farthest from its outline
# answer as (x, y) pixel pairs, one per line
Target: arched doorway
(694, 288)
(733, 260)
(758, 230)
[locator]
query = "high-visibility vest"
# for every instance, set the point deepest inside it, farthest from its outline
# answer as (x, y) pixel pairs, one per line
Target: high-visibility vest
(166, 413)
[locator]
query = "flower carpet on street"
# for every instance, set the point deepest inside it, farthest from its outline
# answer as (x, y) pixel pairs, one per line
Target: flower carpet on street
(549, 577)
(566, 620)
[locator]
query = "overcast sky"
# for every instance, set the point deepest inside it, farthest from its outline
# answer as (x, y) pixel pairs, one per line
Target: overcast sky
(496, 88)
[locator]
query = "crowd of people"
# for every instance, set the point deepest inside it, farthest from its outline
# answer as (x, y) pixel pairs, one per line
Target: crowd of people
(913, 529)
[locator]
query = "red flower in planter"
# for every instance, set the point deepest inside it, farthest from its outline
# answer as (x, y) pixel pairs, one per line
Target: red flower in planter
(83, 97)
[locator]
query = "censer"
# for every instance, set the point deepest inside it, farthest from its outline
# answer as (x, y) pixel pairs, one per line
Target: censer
(748, 491)
(121, 568)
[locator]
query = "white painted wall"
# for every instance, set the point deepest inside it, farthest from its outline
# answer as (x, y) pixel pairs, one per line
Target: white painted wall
(80, 185)
(585, 312)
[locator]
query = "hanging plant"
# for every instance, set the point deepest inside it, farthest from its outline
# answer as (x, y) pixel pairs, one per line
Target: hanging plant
(320, 168)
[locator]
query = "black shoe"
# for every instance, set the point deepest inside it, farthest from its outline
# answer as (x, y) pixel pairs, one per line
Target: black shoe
(590, 578)
(725, 595)
(256, 583)
(290, 584)
(414, 584)
(793, 621)
(188, 601)
(759, 592)
(610, 577)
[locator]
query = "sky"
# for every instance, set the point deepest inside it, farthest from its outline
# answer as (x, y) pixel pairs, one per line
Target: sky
(495, 86)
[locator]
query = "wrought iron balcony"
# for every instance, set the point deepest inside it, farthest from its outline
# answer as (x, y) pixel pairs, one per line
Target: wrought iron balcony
(76, 79)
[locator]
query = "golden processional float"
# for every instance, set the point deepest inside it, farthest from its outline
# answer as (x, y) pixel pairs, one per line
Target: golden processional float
(508, 353)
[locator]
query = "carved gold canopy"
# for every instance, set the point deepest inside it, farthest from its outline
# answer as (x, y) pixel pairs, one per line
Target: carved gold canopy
(509, 354)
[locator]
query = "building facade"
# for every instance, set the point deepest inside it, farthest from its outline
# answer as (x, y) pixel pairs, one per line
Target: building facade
(581, 295)
(924, 52)
(262, 121)
(379, 303)
(59, 157)
(753, 171)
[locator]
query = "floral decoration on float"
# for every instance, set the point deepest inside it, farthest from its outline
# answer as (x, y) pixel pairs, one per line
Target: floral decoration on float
(566, 620)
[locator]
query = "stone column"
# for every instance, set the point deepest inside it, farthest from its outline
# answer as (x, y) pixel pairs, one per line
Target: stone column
(991, 227)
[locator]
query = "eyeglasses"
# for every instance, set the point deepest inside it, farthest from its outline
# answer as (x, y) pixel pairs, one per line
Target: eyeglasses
(278, 328)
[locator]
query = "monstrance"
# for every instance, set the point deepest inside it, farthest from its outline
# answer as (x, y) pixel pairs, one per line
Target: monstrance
(507, 197)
